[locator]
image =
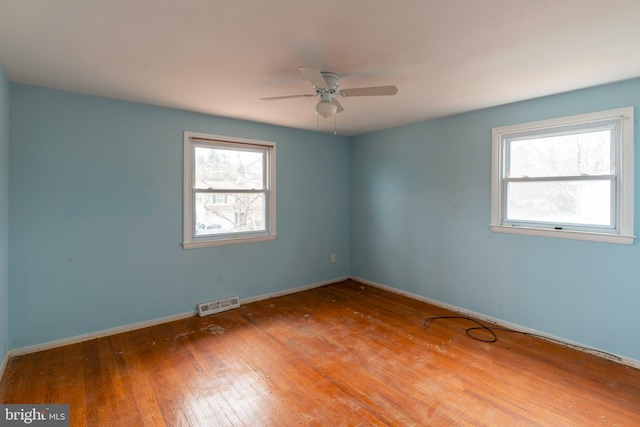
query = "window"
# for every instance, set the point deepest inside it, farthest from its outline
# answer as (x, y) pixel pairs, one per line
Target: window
(570, 178)
(229, 190)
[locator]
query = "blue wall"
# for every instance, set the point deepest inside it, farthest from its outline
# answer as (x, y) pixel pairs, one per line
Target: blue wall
(96, 215)
(4, 214)
(420, 216)
(96, 221)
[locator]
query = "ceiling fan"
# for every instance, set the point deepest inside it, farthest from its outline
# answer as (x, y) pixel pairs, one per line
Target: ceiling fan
(326, 85)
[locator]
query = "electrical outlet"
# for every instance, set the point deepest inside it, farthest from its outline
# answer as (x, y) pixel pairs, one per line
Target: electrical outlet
(333, 258)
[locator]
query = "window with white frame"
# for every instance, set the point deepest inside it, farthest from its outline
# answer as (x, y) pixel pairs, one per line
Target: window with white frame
(570, 177)
(229, 190)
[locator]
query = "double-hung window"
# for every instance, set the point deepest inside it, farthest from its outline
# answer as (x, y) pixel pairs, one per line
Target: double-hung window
(570, 177)
(229, 190)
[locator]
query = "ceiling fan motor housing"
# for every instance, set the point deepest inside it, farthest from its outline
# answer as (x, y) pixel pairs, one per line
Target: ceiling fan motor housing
(332, 79)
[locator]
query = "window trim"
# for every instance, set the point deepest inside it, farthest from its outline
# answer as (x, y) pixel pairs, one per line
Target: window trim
(189, 241)
(624, 174)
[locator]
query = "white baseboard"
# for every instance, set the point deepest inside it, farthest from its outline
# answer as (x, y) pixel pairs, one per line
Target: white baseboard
(575, 345)
(99, 334)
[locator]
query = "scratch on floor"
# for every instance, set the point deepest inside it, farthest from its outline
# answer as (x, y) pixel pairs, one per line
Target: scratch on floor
(175, 339)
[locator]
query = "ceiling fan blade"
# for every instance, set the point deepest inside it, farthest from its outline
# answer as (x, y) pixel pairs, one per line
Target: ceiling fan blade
(275, 98)
(337, 104)
(314, 76)
(369, 91)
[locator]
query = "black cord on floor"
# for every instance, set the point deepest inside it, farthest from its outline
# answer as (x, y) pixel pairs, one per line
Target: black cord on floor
(468, 330)
(491, 329)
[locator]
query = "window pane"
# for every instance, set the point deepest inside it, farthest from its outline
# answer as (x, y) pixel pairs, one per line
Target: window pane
(581, 202)
(229, 213)
(218, 168)
(576, 154)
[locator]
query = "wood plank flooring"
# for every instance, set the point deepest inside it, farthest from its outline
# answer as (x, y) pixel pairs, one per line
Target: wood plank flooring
(341, 355)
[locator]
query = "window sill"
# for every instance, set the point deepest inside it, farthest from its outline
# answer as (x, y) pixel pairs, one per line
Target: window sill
(565, 234)
(225, 242)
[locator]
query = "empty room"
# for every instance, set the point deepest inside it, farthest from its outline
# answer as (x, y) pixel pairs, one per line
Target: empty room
(345, 213)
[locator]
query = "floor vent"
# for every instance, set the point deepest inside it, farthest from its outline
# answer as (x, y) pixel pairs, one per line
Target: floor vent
(212, 307)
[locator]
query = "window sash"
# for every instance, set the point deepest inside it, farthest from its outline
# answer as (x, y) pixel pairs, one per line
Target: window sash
(226, 146)
(556, 224)
(222, 234)
(608, 126)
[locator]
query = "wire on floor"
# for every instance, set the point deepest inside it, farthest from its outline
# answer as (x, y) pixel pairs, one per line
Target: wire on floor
(494, 337)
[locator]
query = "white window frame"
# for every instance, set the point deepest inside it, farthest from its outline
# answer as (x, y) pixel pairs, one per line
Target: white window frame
(622, 197)
(190, 240)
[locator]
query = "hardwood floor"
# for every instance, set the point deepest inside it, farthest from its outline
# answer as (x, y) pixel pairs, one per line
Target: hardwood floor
(343, 354)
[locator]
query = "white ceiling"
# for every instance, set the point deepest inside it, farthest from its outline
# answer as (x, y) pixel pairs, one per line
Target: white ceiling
(220, 57)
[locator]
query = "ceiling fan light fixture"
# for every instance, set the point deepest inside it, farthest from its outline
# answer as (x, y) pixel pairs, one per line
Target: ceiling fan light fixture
(326, 109)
